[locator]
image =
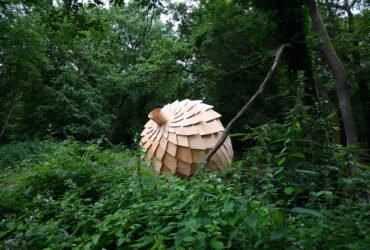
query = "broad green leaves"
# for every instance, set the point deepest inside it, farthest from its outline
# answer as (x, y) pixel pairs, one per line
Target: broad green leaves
(80, 196)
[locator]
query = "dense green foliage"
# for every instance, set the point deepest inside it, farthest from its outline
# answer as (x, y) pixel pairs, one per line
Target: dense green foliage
(79, 196)
(283, 194)
(92, 71)
(88, 71)
(78, 78)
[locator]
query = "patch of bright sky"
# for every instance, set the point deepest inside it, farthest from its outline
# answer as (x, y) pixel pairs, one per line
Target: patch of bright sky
(164, 17)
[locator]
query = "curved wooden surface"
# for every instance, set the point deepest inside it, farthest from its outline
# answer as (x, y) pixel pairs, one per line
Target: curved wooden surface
(189, 132)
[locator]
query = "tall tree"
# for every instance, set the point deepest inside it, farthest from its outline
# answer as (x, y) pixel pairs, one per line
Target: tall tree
(357, 62)
(23, 60)
(337, 68)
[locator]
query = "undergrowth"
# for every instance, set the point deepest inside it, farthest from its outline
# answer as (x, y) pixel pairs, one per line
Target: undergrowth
(83, 197)
(290, 190)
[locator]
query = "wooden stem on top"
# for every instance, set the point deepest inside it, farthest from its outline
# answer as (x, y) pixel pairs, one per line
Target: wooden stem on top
(157, 116)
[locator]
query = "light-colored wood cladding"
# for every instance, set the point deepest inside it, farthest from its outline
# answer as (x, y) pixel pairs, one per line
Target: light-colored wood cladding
(178, 136)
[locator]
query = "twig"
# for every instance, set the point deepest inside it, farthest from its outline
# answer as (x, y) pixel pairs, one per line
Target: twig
(248, 104)
(108, 141)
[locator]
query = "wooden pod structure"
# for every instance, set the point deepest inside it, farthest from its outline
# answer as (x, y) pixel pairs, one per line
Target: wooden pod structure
(178, 136)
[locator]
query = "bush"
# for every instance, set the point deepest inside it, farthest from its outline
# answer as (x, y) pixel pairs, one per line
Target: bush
(23, 153)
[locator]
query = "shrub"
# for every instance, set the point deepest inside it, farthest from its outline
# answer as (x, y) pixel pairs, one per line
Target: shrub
(24, 153)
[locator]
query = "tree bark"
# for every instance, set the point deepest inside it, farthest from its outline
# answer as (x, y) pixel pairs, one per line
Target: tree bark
(337, 68)
(248, 104)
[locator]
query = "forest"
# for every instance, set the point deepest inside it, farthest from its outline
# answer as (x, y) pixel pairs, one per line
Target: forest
(78, 79)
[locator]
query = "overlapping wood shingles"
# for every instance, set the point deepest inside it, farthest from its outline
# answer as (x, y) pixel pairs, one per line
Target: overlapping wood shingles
(178, 145)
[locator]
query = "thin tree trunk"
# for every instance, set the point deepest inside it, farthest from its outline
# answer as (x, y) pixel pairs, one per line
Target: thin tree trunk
(337, 68)
(12, 106)
(248, 104)
(329, 109)
(114, 126)
(361, 80)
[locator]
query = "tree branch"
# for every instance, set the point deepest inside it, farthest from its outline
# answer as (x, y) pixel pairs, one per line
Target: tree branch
(242, 68)
(352, 4)
(331, 4)
(346, 7)
(249, 103)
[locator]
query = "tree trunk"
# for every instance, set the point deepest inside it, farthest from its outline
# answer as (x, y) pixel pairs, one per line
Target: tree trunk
(12, 106)
(337, 68)
(116, 121)
(361, 80)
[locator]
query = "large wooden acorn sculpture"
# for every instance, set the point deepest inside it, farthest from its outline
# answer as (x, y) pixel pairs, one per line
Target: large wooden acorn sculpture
(178, 136)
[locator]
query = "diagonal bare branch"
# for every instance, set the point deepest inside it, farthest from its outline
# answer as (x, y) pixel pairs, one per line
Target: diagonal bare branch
(272, 70)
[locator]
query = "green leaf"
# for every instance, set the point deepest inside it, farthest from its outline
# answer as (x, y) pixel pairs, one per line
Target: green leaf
(233, 219)
(10, 224)
(2, 234)
(95, 238)
(144, 241)
(258, 243)
(301, 210)
(189, 239)
(216, 244)
(228, 206)
(120, 241)
(298, 155)
(279, 171)
(277, 234)
(289, 190)
(282, 160)
(278, 217)
(252, 220)
(166, 229)
(28, 233)
(306, 172)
